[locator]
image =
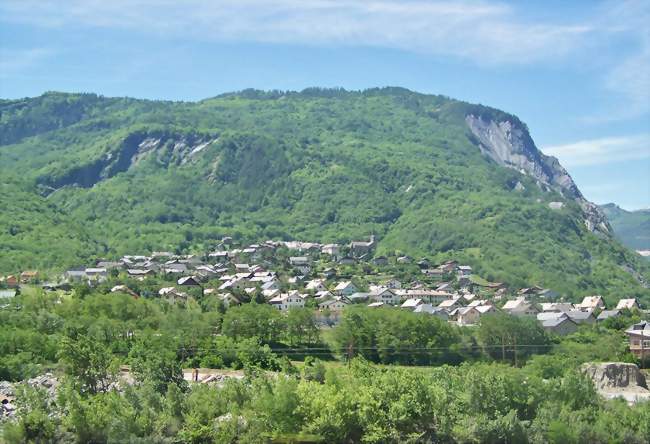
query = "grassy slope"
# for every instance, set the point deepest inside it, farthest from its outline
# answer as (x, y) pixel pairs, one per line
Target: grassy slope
(319, 165)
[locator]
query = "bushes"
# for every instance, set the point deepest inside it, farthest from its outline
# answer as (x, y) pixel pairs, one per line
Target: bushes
(360, 403)
(225, 352)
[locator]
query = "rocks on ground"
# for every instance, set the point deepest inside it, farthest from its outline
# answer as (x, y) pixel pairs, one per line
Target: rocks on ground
(618, 380)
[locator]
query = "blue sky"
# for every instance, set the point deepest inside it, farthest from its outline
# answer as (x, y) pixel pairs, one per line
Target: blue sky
(578, 73)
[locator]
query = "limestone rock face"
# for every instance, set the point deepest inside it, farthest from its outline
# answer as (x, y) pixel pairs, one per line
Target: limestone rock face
(509, 144)
(618, 379)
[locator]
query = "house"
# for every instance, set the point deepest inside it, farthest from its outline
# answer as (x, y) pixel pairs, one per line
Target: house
(411, 304)
(336, 304)
(448, 267)
(109, 265)
(466, 315)
(606, 314)
(582, 316)
(434, 273)
(166, 290)
(138, 272)
(28, 276)
(479, 302)
(464, 271)
(546, 315)
(639, 337)
(450, 304)
(286, 301)
(591, 303)
(170, 294)
(96, 274)
(380, 260)
(299, 261)
(188, 281)
(444, 286)
(270, 293)
(218, 255)
(323, 295)
(520, 307)
(331, 249)
(315, 285)
(360, 248)
(358, 297)
(393, 284)
(228, 299)
(376, 304)
(530, 291)
(559, 325)
(206, 270)
(385, 295)
(629, 304)
(174, 268)
(328, 273)
(124, 289)
(404, 260)
(295, 280)
(484, 309)
(347, 260)
(242, 268)
(345, 288)
(273, 284)
(548, 294)
(468, 297)
(556, 306)
(74, 275)
(430, 296)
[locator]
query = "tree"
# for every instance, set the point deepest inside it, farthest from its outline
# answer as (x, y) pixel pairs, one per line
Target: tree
(301, 326)
(505, 336)
(87, 362)
(253, 320)
(153, 362)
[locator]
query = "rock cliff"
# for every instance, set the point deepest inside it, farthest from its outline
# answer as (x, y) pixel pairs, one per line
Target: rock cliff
(508, 143)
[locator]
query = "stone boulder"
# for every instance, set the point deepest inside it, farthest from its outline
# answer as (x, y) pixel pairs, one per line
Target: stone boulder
(618, 379)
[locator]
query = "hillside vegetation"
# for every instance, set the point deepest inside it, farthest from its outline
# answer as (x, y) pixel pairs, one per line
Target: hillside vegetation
(111, 176)
(631, 227)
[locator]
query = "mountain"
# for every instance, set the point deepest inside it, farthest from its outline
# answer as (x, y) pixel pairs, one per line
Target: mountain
(631, 227)
(428, 175)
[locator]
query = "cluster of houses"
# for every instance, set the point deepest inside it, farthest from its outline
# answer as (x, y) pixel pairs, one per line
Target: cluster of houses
(298, 274)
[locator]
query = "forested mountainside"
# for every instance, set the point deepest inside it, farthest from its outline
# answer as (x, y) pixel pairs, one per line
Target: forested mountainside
(631, 227)
(86, 176)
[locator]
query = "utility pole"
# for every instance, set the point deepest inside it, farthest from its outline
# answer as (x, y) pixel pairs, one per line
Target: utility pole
(515, 349)
(503, 348)
(350, 351)
(642, 348)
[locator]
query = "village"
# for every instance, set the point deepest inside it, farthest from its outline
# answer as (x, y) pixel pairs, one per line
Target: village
(329, 277)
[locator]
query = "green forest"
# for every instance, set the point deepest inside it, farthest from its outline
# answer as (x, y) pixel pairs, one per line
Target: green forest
(85, 177)
(381, 375)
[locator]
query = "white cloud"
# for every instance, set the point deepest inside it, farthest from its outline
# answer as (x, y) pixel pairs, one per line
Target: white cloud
(601, 151)
(483, 32)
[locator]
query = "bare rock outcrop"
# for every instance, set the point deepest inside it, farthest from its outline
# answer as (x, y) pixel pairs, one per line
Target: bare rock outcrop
(508, 143)
(618, 379)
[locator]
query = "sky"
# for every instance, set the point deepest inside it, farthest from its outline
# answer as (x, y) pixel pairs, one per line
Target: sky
(578, 73)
